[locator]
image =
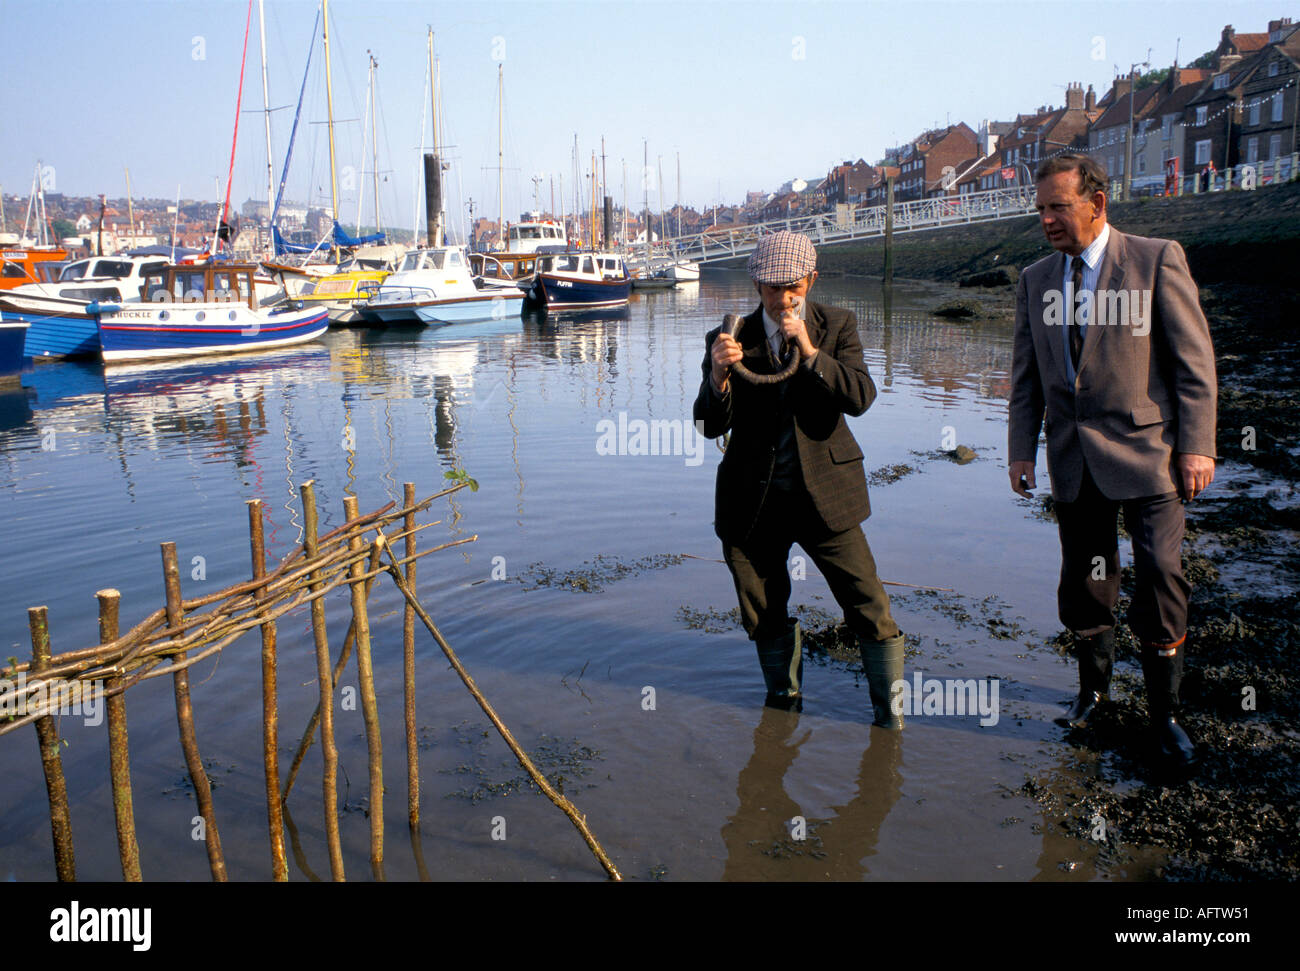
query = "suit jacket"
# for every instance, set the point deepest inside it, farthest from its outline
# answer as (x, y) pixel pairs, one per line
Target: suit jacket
(820, 394)
(1138, 398)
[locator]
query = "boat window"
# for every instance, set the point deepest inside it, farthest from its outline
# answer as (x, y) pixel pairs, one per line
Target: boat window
(225, 286)
(587, 266)
(412, 261)
(435, 260)
(454, 259)
(525, 267)
(14, 269)
(155, 288)
(308, 289)
(151, 268)
(112, 268)
(189, 287)
(74, 271)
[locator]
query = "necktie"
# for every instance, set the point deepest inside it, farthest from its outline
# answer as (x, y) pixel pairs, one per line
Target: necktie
(1076, 330)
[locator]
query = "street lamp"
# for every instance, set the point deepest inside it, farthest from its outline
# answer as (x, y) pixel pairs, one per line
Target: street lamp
(1128, 142)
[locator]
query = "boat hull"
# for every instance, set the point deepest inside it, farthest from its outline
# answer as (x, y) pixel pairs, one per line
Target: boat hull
(198, 330)
(558, 291)
(72, 333)
(13, 335)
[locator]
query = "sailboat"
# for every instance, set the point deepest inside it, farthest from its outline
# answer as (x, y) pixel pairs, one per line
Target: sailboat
(339, 285)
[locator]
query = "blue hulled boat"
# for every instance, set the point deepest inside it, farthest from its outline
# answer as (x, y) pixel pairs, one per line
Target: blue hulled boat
(579, 281)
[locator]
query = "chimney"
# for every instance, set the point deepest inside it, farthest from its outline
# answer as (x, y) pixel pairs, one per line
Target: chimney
(1175, 78)
(1074, 96)
(1228, 37)
(1090, 100)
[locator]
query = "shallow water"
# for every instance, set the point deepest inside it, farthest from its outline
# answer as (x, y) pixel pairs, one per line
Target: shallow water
(595, 608)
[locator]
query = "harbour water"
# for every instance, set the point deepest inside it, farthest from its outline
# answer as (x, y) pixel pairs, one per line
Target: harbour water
(592, 610)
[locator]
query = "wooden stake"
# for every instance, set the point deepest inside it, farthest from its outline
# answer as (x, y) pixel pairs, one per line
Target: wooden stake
(329, 754)
(270, 705)
(119, 759)
(47, 734)
(408, 667)
(565, 806)
(369, 703)
(185, 722)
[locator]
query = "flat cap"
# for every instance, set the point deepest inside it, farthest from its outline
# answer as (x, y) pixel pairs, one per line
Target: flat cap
(782, 258)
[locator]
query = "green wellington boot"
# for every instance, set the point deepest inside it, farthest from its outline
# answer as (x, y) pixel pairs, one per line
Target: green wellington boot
(782, 663)
(883, 663)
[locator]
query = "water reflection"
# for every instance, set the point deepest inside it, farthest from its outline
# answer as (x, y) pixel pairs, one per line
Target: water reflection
(758, 836)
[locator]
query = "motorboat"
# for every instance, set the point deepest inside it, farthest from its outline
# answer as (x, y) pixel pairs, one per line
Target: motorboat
(200, 310)
(580, 281)
(434, 286)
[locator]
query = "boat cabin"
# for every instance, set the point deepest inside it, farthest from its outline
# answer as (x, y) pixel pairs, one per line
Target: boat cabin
(506, 267)
(534, 236)
(439, 258)
(595, 266)
(209, 283)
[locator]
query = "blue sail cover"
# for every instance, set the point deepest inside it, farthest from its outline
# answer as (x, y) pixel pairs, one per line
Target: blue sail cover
(341, 237)
(282, 246)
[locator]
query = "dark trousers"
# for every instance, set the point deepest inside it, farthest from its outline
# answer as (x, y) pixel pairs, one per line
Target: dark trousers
(1089, 586)
(758, 567)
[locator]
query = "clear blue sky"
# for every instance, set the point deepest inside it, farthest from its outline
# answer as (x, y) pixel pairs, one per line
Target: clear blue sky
(751, 94)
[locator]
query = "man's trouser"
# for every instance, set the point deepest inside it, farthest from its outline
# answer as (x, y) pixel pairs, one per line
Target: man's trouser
(759, 569)
(1089, 588)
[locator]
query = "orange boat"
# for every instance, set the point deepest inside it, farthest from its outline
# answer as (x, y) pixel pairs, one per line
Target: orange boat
(18, 263)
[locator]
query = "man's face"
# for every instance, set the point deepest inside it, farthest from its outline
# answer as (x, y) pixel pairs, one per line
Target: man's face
(1070, 221)
(776, 300)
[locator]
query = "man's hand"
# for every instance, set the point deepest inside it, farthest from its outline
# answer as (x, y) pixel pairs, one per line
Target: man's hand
(724, 352)
(793, 329)
(1195, 473)
(1022, 470)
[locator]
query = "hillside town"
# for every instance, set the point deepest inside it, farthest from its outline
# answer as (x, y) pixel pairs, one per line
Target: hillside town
(1167, 131)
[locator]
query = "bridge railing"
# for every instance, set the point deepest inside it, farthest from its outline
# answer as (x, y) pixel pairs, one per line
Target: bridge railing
(862, 222)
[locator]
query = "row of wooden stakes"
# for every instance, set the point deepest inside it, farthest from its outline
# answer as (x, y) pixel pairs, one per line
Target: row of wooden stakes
(183, 632)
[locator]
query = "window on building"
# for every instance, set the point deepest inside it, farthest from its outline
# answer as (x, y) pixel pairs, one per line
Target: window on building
(1141, 164)
(1221, 82)
(1167, 128)
(1272, 69)
(1276, 113)
(1252, 150)
(1274, 146)
(1110, 166)
(1203, 152)
(1252, 116)
(1200, 114)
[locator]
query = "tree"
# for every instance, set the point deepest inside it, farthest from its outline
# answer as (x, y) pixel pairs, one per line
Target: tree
(64, 228)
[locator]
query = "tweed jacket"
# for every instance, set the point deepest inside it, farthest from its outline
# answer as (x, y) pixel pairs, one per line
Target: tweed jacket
(820, 393)
(1145, 389)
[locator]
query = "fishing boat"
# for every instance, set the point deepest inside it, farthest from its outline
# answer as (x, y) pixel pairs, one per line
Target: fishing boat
(683, 271)
(193, 311)
(435, 286)
(579, 281)
(60, 324)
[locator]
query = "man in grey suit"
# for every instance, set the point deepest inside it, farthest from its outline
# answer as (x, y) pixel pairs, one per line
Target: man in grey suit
(792, 472)
(1112, 348)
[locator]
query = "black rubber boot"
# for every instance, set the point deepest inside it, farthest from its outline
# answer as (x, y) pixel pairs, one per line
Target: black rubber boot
(1096, 656)
(1162, 667)
(883, 663)
(782, 663)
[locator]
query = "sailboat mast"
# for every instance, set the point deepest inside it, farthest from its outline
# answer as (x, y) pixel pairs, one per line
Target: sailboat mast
(501, 181)
(329, 98)
(266, 114)
(130, 209)
(679, 194)
(374, 145)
